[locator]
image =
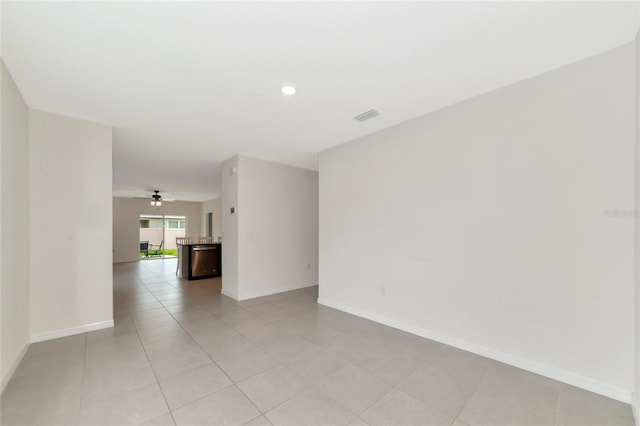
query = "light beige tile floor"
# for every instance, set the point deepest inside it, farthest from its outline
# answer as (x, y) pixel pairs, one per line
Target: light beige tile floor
(183, 354)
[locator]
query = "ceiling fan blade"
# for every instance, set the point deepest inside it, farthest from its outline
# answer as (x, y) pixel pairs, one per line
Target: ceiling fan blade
(164, 200)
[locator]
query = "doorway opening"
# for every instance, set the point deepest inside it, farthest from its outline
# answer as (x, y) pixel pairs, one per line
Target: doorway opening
(210, 224)
(158, 235)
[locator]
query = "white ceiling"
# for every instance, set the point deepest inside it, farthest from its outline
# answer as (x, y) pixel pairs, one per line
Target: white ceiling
(186, 85)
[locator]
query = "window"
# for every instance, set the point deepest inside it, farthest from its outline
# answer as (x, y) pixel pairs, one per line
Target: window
(144, 223)
(176, 224)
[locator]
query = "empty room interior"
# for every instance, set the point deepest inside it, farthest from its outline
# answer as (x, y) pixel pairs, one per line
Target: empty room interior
(320, 213)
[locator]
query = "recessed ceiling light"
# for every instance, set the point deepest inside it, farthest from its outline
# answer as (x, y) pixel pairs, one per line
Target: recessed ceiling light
(288, 89)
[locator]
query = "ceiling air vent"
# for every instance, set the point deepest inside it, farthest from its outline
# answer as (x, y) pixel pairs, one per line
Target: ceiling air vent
(366, 115)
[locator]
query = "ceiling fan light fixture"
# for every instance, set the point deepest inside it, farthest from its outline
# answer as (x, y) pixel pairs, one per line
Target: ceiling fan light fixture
(156, 199)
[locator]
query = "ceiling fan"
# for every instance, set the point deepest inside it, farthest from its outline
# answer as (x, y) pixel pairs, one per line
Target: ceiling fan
(156, 199)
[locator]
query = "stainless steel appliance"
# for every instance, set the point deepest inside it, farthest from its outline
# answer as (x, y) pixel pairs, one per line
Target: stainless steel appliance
(204, 261)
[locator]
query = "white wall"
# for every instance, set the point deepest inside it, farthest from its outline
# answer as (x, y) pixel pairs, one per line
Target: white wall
(271, 244)
(483, 225)
(212, 206)
(277, 227)
(229, 179)
(126, 223)
(14, 227)
(636, 399)
(70, 225)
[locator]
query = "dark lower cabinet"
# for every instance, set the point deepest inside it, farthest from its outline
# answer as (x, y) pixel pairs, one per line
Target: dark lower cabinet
(201, 261)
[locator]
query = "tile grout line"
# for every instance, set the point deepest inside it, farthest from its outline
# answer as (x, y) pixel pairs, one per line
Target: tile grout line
(153, 370)
(475, 391)
(557, 419)
(393, 387)
(84, 367)
(82, 399)
(334, 325)
(233, 383)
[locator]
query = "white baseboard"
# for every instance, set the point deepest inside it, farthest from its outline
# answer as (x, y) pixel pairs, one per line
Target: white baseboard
(6, 377)
(635, 406)
(271, 291)
(525, 364)
(228, 294)
(41, 337)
